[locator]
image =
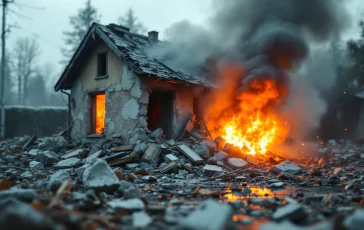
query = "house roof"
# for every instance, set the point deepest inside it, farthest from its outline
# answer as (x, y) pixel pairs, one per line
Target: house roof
(130, 47)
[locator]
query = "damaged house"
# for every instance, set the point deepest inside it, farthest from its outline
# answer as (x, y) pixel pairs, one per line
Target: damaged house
(117, 89)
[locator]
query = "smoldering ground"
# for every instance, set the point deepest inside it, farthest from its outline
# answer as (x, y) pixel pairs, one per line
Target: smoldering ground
(267, 38)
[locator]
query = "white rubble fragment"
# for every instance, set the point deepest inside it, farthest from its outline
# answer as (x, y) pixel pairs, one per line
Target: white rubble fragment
(356, 220)
(141, 219)
(34, 152)
(221, 156)
(209, 215)
(79, 153)
(68, 163)
(290, 211)
(100, 177)
(58, 178)
(131, 165)
(202, 150)
(287, 167)
(236, 163)
(134, 204)
(36, 165)
(210, 170)
(277, 185)
(170, 157)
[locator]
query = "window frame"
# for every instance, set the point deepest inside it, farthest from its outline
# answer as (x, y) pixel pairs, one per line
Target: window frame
(98, 65)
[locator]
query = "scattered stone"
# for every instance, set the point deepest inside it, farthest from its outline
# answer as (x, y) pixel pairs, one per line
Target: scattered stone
(211, 145)
(34, 152)
(68, 163)
(157, 134)
(251, 159)
(48, 158)
(220, 142)
(26, 175)
(79, 153)
(356, 220)
(26, 195)
(219, 156)
(100, 177)
(277, 185)
(190, 154)
(128, 190)
(170, 157)
(202, 150)
(211, 170)
(57, 179)
(286, 166)
(94, 155)
(290, 211)
(36, 165)
(132, 165)
(209, 215)
(141, 219)
(237, 163)
(146, 166)
(170, 167)
(151, 154)
(134, 204)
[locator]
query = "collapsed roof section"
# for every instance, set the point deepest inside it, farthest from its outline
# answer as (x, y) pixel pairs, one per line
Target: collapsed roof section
(129, 47)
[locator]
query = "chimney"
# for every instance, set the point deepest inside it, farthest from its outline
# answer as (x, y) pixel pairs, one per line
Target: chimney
(153, 36)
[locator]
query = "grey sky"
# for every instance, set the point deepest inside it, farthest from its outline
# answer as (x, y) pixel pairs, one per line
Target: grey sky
(48, 23)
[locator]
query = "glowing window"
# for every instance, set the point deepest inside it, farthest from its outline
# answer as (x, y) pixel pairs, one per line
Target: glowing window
(99, 113)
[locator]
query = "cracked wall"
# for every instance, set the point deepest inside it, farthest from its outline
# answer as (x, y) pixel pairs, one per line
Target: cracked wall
(127, 97)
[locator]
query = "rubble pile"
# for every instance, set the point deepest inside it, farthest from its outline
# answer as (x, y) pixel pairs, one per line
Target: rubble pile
(189, 183)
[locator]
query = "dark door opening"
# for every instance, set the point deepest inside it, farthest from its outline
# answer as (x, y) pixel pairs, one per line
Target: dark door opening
(160, 111)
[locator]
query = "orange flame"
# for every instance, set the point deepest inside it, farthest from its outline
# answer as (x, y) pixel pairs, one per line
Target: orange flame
(252, 124)
(100, 113)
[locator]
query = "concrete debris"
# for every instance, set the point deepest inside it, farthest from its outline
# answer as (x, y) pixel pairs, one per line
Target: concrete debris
(220, 155)
(170, 167)
(57, 179)
(100, 177)
(26, 195)
(131, 166)
(287, 167)
(209, 215)
(355, 221)
(202, 150)
(26, 175)
(151, 154)
(211, 170)
(141, 219)
(78, 153)
(68, 163)
(36, 165)
(237, 163)
(122, 148)
(190, 154)
(170, 157)
(94, 155)
(157, 134)
(133, 204)
(251, 159)
(48, 158)
(290, 211)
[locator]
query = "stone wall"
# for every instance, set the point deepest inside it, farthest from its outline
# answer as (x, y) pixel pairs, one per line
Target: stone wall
(42, 121)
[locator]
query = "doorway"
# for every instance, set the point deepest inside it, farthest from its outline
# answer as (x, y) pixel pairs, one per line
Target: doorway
(160, 111)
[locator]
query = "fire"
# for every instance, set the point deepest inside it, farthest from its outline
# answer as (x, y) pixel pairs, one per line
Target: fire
(254, 127)
(100, 113)
(248, 119)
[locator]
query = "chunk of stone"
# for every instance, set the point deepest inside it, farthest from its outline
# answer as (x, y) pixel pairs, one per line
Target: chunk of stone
(286, 166)
(48, 158)
(220, 142)
(26, 175)
(128, 190)
(157, 134)
(141, 219)
(146, 166)
(202, 150)
(290, 211)
(122, 148)
(79, 171)
(190, 154)
(100, 177)
(19, 215)
(57, 179)
(170, 167)
(170, 157)
(34, 152)
(68, 163)
(210, 170)
(141, 147)
(356, 220)
(237, 163)
(209, 215)
(132, 165)
(94, 155)
(26, 195)
(211, 145)
(277, 185)
(152, 153)
(36, 165)
(219, 156)
(134, 204)
(79, 153)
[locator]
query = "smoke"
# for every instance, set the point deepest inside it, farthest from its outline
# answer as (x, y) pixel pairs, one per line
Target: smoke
(271, 40)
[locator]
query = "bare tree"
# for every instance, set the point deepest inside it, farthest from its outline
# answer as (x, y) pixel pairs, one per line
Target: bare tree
(25, 54)
(80, 24)
(131, 21)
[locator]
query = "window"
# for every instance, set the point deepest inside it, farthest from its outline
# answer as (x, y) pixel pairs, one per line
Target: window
(98, 111)
(101, 64)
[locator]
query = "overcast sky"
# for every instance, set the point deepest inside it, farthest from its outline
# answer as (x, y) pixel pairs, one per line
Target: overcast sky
(46, 19)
